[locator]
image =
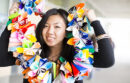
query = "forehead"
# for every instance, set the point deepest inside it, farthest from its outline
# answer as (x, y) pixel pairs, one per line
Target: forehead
(55, 19)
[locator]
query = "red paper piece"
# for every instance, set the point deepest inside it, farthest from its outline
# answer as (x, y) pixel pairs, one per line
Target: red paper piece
(75, 70)
(15, 19)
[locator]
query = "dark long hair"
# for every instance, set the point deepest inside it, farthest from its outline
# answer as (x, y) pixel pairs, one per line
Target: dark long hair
(67, 50)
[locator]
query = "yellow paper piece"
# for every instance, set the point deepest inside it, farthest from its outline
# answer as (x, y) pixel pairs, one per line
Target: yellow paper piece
(42, 75)
(91, 56)
(70, 17)
(32, 38)
(86, 53)
(37, 58)
(19, 50)
(28, 51)
(80, 13)
(68, 67)
(54, 69)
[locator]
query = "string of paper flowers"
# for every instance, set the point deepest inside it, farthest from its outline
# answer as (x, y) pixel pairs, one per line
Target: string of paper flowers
(37, 69)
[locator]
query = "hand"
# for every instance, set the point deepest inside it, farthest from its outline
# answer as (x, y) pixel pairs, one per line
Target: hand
(90, 14)
(15, 54)
(14, 8)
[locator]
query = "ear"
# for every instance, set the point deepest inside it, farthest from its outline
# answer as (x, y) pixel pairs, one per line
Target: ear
(66, 32)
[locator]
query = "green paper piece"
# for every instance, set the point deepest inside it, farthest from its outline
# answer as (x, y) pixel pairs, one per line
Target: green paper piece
(69, 35)
(27, 44)
(33, 5)
(54, 69)
(62, 59)
(9, 22)
(34, 65)
(13, 15)
(89, 26)
(91, 50)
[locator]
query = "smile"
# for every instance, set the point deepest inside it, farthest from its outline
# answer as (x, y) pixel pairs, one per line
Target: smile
(50, 39)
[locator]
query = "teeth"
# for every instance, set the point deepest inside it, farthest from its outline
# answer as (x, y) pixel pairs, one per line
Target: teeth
(50, 39)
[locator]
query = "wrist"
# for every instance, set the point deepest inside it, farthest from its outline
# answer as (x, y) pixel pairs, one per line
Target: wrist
(102, 36)
(92, 20)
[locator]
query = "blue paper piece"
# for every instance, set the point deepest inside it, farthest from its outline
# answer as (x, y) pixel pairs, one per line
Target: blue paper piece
(88, 46)
(83, 34)
(81, 78)
(20, 0)
(50, 78)
(25, 9)
(79, 54)
(30, 61)
(24, 64)
(90, 60)
(72, 22)
(34, 0)
(29, 11)
(79, 67)
(42, 61)
(47, 65)
(89, 42)
(21, 6)
(70, 80)
(82, 64)
(72, 10)
(13, 49)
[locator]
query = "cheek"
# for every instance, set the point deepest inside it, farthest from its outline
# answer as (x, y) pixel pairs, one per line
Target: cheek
(61, 34)
(43, 33)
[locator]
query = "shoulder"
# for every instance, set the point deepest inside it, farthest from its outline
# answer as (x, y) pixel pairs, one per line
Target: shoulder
(68, 52)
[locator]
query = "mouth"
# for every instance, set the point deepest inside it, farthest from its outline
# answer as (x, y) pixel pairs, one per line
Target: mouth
(50, 39)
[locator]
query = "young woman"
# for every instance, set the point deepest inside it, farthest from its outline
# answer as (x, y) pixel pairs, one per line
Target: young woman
(51, 33)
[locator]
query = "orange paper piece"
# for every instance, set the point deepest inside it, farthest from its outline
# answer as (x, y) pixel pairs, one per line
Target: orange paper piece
(36, 45)
(79, 6)
(67, 75)
(27, 57)
(85, 74)
(33, 80)
(26, 70)
(38, 1)
(72, 41)
(24, 15)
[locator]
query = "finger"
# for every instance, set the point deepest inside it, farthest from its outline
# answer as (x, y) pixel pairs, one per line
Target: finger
(17, 62)
(15, 54)
(12, 11)
(85, 12)
(12, 44)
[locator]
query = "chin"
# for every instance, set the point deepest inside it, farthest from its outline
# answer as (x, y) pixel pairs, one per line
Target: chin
(50, 44)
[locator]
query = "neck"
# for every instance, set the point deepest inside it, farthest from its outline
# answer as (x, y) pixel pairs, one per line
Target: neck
(55, 52)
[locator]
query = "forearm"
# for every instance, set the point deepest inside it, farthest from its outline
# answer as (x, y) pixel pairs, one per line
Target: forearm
(98, 29)
(6, 58)
(105, 55)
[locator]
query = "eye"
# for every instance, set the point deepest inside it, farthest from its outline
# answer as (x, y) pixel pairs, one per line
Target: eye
(57, 27)
(46, 26)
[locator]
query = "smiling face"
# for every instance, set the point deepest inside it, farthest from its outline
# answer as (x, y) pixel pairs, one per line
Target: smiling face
(54, 31)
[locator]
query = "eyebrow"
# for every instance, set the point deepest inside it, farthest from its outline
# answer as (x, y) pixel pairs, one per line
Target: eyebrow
(54, 23)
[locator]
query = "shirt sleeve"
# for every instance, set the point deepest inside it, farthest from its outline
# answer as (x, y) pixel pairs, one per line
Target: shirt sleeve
(105, 55)
(6, 58)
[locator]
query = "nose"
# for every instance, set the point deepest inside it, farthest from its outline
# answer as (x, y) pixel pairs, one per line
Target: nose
(50, 30)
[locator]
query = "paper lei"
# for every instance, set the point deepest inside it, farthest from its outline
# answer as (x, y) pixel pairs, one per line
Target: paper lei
(37, 68)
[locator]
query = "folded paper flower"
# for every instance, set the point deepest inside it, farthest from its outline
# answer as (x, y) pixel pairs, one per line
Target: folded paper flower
(40, 70)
